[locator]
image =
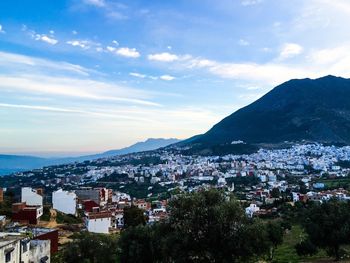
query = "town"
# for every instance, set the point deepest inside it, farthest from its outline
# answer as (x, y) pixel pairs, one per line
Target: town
(54, 202)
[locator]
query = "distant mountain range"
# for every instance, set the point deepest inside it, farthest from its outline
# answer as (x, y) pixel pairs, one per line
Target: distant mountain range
(312, 110)
(17, 163)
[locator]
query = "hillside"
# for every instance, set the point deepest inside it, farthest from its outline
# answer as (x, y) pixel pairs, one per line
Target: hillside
(17, 163)
(313, 110)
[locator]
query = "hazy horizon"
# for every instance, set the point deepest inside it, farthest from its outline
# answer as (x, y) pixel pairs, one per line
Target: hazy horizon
(86, 76)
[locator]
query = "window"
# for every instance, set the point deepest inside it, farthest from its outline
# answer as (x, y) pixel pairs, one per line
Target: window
(24, 248)
(8, 257)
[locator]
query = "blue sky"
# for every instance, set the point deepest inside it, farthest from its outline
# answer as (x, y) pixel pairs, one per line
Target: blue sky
(81, 76)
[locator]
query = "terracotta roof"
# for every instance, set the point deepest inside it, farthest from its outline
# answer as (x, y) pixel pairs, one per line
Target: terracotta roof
(99, 215)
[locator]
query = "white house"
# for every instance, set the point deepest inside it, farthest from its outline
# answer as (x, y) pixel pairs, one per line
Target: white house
(64, 201)
(18, 248)
(99, 222)
(250, 210)
(39, 251)
(10, 248)
(31, 197)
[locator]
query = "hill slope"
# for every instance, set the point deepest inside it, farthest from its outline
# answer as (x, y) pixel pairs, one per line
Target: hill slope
(314, 110)
(17, 163)
(148, 145)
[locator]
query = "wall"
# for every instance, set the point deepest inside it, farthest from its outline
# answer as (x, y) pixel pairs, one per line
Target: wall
(99, 225)
(89, 194)
(14, 254)
(64, 201)
(30, 196)
(39, 249)
(53, 237)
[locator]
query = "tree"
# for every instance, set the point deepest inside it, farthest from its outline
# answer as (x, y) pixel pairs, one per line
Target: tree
(275, 193)
(135, 245)
(328, 226)
(91, 248)
(275, 234)
(133, 216)
(202, 227)
(306, 248)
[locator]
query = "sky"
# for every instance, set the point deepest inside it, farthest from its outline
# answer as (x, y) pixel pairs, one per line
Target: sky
(81, 76)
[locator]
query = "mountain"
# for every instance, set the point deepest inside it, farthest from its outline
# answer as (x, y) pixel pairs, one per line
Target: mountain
(148, 145)
(301, 109)
(16, 163)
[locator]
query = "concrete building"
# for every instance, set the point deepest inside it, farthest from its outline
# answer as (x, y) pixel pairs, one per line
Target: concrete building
(251, 209)
(89, 194)
(98, 222)
(39, 251)
(18, 248)
(32, 196)
(10, 248)
(25, 214)
(64, 201)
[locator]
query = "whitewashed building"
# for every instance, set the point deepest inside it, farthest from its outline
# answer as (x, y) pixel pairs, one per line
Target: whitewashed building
(250, 210)
(18, 248)
(99, 222)
(64, 201)
(31, 197)
(39, 251)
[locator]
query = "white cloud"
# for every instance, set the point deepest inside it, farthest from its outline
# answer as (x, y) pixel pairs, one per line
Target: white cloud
(243, 42)
(85, 44)
(13, 61)
(98, 3)
(115, 42)
(290, 50)
(75, 88)
(167, 77)
(163, 57)
(316, 63)
(1, 29)
(111, 9)
(42, 37)
(116, 15)
(30, 75)
(144, 76)
(127, 52)
(137, 75)
(250, 2)
(111, 49)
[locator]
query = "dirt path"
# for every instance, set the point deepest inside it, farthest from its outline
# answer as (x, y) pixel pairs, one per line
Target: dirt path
(52, 223)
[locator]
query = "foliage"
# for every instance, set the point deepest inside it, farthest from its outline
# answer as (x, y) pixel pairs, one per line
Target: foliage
(46, 214)
(306, 248)
(6, 205)
(133, 216)
(202, 227)
(91, 248)
(62, 218)
(275, 235)
(275, 193)
(328, 226)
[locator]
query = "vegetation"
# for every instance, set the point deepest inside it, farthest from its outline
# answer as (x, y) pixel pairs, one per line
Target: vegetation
(202, 227)
(133, 216)
(209, 226)
(328, 226)
(6, 205)
(89, 248)
(46, 214)
(62, 218)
